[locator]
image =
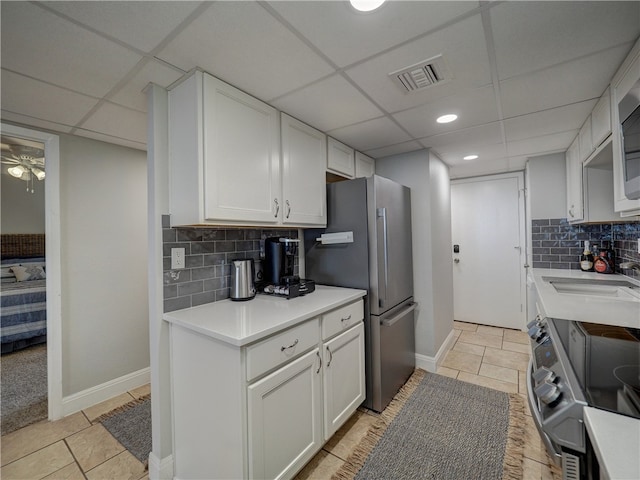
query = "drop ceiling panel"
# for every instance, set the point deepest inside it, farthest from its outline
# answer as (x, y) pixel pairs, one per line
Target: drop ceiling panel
(473, 107)
(474, 169)
(131, 95)
(370, 135)
(396, 149)
(142, 25)
(346, 36)
(463, 47)
(242, 44)
(561, 119)
(110, 139)
(487, 134)
(43, 101)
(550, 87)
(60, 52)
(529, 36)
(329, 104)
(118, 122)
(34, 122)
(454, 154)
(550, 143)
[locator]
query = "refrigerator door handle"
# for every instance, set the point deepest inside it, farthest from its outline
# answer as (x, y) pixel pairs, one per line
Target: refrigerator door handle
(387, 322)
(382, 213)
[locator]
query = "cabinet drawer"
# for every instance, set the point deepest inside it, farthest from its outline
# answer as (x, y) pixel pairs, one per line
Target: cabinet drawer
(279, 349)
(341, 319)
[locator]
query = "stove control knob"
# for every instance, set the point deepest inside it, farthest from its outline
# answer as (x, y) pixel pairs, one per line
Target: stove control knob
(543, 374)
(548, 392)
(535, 321)
(537, 332)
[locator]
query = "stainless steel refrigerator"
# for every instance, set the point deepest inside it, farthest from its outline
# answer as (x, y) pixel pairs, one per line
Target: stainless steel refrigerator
(379, 260)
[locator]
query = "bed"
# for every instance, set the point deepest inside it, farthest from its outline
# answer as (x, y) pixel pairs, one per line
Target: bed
(23, 293)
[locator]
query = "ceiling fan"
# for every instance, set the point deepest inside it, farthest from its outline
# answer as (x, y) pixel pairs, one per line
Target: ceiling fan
(23, 161)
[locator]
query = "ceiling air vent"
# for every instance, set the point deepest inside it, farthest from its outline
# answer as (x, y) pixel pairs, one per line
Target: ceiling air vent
(421, 75)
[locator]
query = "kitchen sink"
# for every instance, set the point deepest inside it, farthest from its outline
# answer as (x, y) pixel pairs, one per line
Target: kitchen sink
(614, 289)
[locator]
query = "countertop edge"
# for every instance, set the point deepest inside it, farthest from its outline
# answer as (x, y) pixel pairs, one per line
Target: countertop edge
(616, 441)
(181, 317)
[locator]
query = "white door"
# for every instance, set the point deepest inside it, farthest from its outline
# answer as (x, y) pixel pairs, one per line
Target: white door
(487, 221)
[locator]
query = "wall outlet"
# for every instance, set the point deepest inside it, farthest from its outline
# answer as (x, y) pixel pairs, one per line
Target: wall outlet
(177, 258)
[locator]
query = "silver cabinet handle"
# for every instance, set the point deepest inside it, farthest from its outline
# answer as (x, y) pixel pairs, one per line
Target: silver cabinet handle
(288, 208)
(275, 200)
(320, 360)
(282, 349)
(330, 356)
(346, 319)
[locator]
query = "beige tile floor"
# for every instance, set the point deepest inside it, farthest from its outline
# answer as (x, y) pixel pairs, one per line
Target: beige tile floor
(77, 448)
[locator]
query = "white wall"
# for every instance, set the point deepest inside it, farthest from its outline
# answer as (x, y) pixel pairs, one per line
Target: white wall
(22, 211)
(103, 202)
(547, 185)
(428, 178)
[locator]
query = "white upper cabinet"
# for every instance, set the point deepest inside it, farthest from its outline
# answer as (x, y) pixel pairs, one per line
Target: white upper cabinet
(304, 155)
(623, 81)
(225, 164)
(601, 119)
(340, 158)
(584, 137)
(365, 166)
(241, 156)
(575, 209)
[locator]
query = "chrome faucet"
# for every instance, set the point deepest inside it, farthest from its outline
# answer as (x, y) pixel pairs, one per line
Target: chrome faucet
(630, 265)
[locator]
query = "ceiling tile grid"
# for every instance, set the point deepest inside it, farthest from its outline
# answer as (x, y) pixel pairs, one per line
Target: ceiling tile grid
(82, 66)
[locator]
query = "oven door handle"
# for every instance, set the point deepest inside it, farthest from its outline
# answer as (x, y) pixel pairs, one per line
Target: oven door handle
(552, 449)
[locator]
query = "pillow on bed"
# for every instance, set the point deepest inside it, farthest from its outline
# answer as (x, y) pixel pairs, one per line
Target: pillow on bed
(7, 275)
(25, 273)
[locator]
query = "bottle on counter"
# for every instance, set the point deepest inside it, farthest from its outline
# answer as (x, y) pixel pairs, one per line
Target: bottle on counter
(586, 259)
(606, 260)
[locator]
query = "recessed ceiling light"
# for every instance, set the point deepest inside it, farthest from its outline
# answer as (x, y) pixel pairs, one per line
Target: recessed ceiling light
(366, 5)
(470, 157)
(446, 118)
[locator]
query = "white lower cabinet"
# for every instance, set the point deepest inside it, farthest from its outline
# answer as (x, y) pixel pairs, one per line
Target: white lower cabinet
(263, 410)
(285, 418)
(344, 381)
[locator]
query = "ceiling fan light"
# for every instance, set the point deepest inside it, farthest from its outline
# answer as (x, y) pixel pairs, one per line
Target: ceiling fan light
(17, 171)
(366, 5)
(38, 173)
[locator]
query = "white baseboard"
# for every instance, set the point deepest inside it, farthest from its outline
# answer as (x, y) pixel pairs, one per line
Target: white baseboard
(94, 395)
(160, 469)
(430, 364)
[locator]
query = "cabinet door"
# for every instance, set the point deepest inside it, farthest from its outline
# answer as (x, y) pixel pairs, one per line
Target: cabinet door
(344, 380)
(285, 418)
(365, 166)
(304, 155)
(586, 143)
(340, 158)
(601, 119)
(575, 209)
(241, 156)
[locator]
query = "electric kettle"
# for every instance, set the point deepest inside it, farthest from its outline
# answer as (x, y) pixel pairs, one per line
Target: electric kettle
(242, 286)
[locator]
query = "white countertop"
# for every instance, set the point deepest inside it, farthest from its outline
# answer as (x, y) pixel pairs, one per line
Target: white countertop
(616, 441)
(241, 323)
(585, 308)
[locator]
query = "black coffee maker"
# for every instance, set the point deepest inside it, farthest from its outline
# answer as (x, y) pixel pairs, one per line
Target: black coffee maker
(279, 261)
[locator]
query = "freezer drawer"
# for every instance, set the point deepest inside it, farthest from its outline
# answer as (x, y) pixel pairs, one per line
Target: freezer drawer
(397, 350)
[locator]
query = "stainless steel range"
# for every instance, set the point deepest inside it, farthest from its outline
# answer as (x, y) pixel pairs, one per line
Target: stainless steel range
(575, 364)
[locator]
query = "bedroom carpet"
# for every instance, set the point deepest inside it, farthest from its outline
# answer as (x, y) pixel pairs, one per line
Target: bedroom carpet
(438, 427)
(23, 388)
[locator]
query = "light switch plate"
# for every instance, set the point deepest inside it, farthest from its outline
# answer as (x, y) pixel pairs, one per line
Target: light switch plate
(177, 258)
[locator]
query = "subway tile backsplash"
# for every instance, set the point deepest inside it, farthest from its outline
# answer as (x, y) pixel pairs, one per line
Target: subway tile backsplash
(208, 256)
(558, 244)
